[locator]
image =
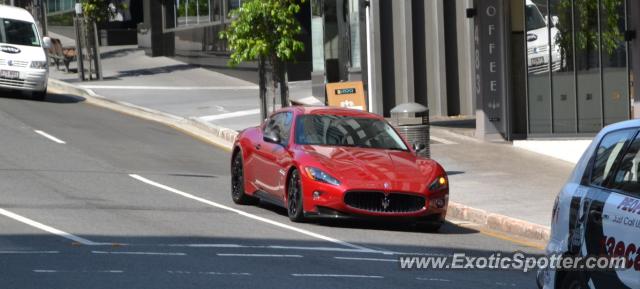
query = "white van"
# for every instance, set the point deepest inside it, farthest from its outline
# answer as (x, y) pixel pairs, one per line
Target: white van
(23, 60)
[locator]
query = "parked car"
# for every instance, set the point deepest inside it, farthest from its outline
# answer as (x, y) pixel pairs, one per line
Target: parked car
(337, 163)
(597, 213)
(23, 60)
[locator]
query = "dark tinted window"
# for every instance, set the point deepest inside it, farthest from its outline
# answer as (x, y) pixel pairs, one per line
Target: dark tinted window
(609, 152)
(627, 175)
(347, 131)
(19, 33)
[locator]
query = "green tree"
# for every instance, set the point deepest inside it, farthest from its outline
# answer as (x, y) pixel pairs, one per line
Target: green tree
(586, 30)
(265, 31)
(95, 12)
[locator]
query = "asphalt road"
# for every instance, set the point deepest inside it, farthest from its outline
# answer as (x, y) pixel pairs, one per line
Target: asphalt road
(90, 198)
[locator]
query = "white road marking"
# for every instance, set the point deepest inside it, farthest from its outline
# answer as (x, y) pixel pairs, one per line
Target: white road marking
(442, 140)
(275, 247)
(433, 279)
(139, 87)
(46, 228)
(337, 276)
(50, 137)
(366, 259)
(259, 255)
(211, 273)
(140, 253)
(255, 217)
(229, 115)
(28, 252)
(67, 271)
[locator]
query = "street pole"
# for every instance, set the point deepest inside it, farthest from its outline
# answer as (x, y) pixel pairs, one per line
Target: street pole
(369, 58)
(79, 55)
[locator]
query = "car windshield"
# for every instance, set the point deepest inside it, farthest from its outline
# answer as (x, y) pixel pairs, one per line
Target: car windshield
(336, 130)
(535, 20)
(18, 32)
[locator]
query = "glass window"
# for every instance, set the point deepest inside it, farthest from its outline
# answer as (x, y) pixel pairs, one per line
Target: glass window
(562, 67)
(280, 124)
(347, 131)
(627, 176)
(354, 26)
(615, 83)
(188, 12)
(19, 33)
(317, 35)
(609, 151)
(216, 10)
(233, 4)
(538, 67)
(588, 67)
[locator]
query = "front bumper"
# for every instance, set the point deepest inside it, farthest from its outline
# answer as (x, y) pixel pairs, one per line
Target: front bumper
(29, 80)
(327, 201)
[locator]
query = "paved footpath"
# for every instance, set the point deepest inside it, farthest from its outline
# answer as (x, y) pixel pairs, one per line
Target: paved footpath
(493, 178)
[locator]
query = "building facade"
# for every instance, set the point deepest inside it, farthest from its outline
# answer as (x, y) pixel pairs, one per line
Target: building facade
(189, 31)
(523, 68)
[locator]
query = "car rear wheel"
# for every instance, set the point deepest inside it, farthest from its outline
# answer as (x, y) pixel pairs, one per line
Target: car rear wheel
(237, 182)
(573, 280)
(294, 197)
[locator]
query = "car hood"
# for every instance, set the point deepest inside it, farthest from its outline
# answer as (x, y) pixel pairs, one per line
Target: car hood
(362, 168)
(27, 53)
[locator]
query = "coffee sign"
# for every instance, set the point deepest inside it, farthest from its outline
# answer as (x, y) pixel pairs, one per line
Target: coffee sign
(347, 95)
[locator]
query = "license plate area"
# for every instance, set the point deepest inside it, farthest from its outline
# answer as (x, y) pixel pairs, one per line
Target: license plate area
(9, 74)
(537, 61)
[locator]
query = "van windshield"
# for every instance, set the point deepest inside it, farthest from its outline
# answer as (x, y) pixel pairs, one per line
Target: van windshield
(535, 20)
(18, 32)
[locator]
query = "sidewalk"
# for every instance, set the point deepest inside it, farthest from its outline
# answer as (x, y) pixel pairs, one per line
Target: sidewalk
(496, 178)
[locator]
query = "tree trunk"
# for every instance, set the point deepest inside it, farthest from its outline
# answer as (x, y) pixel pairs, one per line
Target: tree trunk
(284, 85)
(262, 71)
(274, 81)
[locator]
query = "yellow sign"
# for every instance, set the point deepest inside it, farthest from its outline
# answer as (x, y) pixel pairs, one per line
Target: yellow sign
(347, 95)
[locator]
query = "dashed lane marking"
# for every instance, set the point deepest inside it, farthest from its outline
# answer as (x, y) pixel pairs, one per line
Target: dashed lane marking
(50, 137)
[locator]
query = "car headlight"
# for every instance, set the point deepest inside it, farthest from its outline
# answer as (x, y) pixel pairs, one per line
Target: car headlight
(320, 176)
(39, 64)
(440, 183)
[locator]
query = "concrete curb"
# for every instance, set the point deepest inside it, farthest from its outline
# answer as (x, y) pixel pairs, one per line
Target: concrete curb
(224, 138)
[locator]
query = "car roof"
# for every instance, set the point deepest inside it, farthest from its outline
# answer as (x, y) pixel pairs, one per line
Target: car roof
(326, 110)
(634, 123)
(10, 12)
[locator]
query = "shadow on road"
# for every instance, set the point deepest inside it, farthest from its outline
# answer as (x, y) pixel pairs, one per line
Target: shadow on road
(50, 98)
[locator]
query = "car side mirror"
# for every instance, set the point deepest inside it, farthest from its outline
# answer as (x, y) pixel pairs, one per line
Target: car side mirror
(418, 147)
(271, 137)
(46, 42)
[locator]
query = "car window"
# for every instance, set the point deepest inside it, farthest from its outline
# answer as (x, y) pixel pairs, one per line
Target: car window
(281, 124)
(627, 175)
(347, 131)
(19, 32)
(609, 151)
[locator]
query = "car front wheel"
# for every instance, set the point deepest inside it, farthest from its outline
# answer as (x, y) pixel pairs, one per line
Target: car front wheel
(294, 197)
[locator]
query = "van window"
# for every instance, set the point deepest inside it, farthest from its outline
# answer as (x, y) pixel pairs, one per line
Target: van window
(627, 176)
(609, 151)
(18, 32)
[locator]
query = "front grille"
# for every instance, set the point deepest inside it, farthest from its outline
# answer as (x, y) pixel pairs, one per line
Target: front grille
(14, 63)
(17, 83)
(539, 49)
(380, 203)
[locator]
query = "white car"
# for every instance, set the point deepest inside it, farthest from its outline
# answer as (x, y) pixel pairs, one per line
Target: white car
(597, 213)
(23, 60)
(538, 36)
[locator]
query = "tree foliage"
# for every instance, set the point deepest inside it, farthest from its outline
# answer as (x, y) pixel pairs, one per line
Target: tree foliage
(100, 10)
(264, 29)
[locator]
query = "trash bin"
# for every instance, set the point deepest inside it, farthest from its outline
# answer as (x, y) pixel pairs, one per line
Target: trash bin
(411, 120)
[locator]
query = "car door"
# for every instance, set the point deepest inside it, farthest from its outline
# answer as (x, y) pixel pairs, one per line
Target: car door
(274, 157)
(593, 221)
(621, 222)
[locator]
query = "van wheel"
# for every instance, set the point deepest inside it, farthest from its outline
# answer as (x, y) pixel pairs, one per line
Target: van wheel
(39, 95)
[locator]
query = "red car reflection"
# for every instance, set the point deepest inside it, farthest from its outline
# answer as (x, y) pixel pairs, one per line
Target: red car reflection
(337, 163)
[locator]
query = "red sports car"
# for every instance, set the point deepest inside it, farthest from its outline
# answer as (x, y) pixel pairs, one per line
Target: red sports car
(334, 162)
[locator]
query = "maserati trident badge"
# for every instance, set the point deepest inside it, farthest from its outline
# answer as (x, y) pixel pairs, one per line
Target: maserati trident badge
(385, 202)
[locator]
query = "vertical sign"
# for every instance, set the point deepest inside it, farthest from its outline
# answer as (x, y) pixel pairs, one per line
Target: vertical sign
(490, 66)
